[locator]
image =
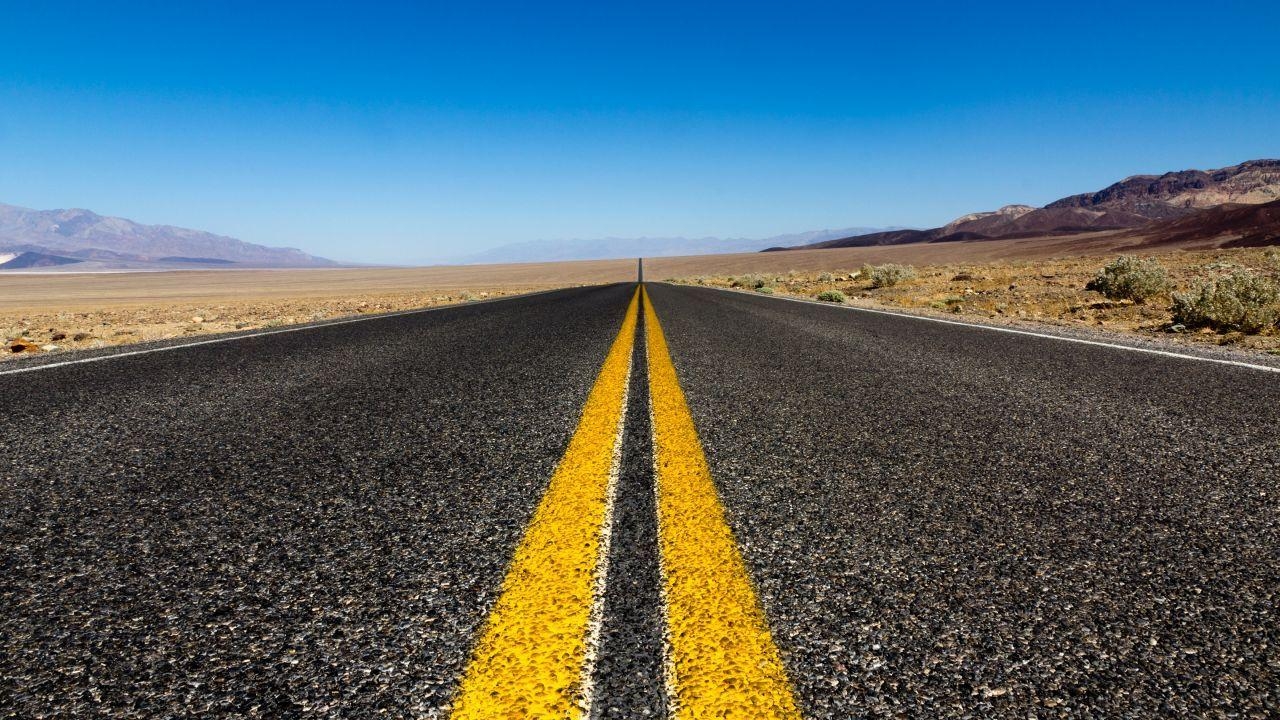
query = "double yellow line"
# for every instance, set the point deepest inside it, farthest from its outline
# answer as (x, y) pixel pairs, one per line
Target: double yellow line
(534, 658)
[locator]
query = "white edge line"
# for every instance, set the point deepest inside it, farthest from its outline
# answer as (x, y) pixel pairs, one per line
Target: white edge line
(995, 328)
(596, 623)
(264, 333)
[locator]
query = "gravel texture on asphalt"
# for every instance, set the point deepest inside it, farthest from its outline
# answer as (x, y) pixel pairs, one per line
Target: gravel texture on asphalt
(952, 522)
(628, 679)
(305, 524)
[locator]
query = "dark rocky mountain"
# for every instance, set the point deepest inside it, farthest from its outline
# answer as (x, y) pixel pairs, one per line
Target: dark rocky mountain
(1239, 225)
(1172, 194)
(1134, 202)
(102, 242)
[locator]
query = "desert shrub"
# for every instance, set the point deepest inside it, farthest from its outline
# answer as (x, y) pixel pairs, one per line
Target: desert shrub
(751, 282)
(834, 296)
(826, 277)
(1272, 258)
(888, 275)
(766, 290)
(1129, 278)
(1242, 301)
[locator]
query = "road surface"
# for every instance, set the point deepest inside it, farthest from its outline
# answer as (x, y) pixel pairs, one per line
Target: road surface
(692, 503)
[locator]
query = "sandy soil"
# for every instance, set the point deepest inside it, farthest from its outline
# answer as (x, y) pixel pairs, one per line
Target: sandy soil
(56, 312)
(1046, 291)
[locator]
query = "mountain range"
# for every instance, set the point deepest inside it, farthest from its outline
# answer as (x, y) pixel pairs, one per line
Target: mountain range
(1237, 205)
(83, 240)
(615, 247)
(1175, 202)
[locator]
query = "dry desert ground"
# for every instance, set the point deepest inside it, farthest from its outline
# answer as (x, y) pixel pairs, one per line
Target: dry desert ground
(1032, 281)
(54, 312)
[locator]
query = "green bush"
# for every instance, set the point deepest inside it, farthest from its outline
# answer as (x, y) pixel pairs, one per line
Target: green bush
(1243, 301)
(834, 296)
(1129, 278)
(888, 275)
(766, 290)
(825, 277)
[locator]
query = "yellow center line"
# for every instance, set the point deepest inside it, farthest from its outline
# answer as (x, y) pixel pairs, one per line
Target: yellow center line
(723, 662)
(530, 660)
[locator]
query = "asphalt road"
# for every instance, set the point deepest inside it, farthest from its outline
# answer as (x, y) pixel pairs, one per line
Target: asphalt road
(955, 522)
(303, 524)
(939, 521)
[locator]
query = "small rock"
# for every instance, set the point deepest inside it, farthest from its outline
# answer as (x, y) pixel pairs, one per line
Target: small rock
(1177, 328)
(197, 319)
(50, 347)
(20, 346)
(58, 336)
(995, 692)
(81, 337)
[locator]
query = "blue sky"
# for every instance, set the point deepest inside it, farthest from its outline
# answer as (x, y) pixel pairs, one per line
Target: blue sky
(412, 132)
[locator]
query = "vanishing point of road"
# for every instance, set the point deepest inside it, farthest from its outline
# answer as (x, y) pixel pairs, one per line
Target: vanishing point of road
(621, 502)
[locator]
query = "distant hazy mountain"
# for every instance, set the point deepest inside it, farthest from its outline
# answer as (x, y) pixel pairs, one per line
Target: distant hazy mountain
(97, 242)
(1134, 202)
(606, 248)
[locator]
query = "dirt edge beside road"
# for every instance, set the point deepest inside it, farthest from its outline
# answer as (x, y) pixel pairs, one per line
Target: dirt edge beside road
(1040, 294)
(44, 332)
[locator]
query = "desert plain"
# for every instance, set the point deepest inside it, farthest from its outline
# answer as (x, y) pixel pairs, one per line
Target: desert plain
(1034, 281)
